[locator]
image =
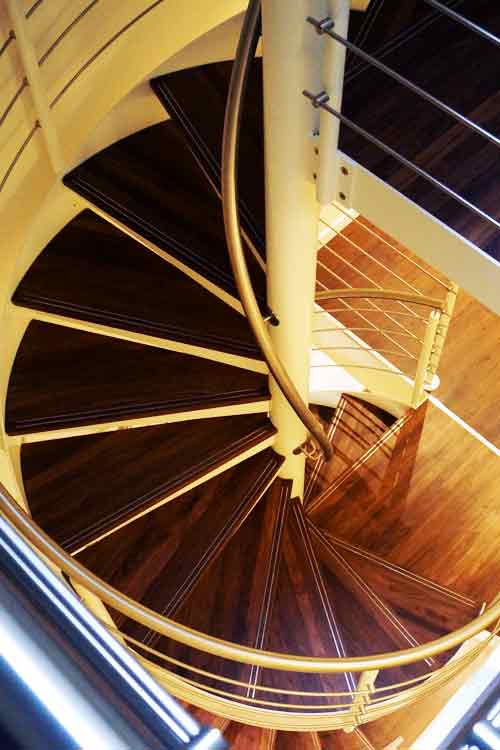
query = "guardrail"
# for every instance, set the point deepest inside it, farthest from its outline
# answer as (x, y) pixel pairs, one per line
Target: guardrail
(372, 695)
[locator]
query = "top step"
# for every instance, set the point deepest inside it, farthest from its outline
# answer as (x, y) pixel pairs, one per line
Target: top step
(196, 99)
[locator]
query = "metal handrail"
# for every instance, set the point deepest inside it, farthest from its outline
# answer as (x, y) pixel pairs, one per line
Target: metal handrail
(244, 55)
(225, 649)
(388, 294)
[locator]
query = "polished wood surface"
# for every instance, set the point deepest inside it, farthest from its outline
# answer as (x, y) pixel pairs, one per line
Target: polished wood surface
(89, 378)
(234, 595)
(383, 607)
(178, 551)
(445, 527)
(244, 737)
(460, 68)
(196, 99)
(151, 182)
(310, 618)
(469, 380)
(297, 740)
(94, 272)
(80, 488)
(354, 428)
(384, 470)
(341, 740)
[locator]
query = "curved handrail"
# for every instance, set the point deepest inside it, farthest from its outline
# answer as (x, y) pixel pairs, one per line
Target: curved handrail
(225, 649)
(388, 294)
(230, 143)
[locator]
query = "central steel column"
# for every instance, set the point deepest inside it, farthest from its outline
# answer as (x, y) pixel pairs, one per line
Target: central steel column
(292, 54)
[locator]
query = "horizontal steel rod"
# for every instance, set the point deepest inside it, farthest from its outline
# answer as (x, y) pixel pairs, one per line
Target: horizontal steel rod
(321, 99)
(465, 22)
(357, 349)
(369, 330)
(462, 119)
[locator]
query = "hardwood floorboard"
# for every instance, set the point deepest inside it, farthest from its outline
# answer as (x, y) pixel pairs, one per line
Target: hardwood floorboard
(93, 271)
(196, 98)
(78, 489)
(89, 378)
(462, 71)
(150, 182)
(445, 526)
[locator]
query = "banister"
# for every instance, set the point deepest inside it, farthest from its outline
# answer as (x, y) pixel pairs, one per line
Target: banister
(230, 142)
(225, 649)
(392, 295)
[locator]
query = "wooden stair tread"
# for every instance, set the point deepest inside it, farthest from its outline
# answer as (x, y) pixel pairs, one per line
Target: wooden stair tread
(89, 378)
(79, 489)
(196, 98)
(93, 271)
(297, 741)
(246, 737)
(438, 144)
(150, 182)
(232, 597)
(382, 607)
(310, 629)
(425, 608)
(383, 472)
(340, 740)
(355, 428)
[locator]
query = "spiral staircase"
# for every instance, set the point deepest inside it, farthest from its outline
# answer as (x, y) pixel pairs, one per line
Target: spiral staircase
(179, 505)
(140, 400)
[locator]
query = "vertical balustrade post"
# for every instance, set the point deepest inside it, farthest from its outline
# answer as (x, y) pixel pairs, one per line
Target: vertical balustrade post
(29, 60)
(441, 334)
(365, 687)
(292, 53)
(423, 365)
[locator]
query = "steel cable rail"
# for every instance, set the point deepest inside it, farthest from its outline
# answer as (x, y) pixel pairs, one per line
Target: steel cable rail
(230, 143)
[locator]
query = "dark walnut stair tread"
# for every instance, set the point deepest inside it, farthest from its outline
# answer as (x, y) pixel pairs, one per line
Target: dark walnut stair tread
(425, 608)
(302, 622)
(356, 426)
(448, 150)
(196, 99)
(235, 591)
(371, 621)
(93, 271)
(80, 489)
(150, 182)
(89, 378)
